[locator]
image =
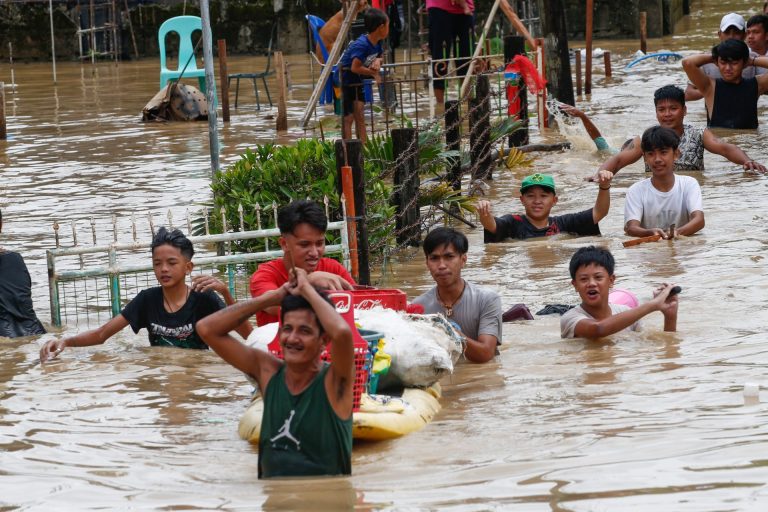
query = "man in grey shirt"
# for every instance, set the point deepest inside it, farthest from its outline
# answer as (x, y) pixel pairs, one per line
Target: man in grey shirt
(476, 310)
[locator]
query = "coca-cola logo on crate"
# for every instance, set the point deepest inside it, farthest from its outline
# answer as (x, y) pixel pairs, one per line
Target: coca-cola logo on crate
(368, 304)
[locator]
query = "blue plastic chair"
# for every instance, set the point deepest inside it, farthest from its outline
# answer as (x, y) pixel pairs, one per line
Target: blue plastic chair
(326, 97)
(315, 24)
(184, 26)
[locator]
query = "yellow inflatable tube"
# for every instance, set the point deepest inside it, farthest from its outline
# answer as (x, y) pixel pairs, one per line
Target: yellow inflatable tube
(380, 416)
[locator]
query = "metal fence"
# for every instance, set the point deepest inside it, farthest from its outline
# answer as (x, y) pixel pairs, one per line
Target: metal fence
(88, 284)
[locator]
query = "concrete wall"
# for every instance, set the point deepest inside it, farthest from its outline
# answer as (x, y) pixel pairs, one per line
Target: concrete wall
(245, 24)
(616, 19)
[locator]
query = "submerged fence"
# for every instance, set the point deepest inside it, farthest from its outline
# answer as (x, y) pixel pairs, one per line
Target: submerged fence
(91, 283)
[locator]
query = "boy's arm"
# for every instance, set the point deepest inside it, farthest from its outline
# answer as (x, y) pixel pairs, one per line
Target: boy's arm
(592, 130)
(730, 151)
(485, 215)
(603, 201)
(590, 328)
(668, 309)
(762, 80)
(629, 155)
(692, 67)
(358, 68)
(93, 337)
(214, 329)
(694, 224)
(483, 348)
(203, 283)
(692, 93)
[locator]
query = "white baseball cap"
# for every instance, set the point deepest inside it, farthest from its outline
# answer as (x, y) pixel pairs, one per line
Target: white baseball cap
(732, 20)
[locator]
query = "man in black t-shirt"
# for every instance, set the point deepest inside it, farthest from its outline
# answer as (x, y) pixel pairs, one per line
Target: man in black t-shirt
(170, 311)
(537, 193)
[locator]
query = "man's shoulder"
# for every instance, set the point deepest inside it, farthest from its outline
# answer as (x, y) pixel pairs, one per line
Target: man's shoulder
(271, 267)
(207, 298)
(687, 181)
(428, 296)
(640, 186)
(481, 293)
(330, 265)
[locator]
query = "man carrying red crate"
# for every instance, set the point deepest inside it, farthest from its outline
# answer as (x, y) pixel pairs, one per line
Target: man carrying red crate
(302, 227)
(306, 428)
(476, 310)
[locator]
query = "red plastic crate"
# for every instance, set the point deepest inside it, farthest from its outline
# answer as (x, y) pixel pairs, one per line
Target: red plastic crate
(343, 302)
(368, 298)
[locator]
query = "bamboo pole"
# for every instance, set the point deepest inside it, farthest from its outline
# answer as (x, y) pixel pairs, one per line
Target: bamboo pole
(223, 79)
(130, 29)
(210, 86)
(478, 48)
(349, 196)
(328, 67)
(588, 60)
(607, 60)
(541, 95)
(643, 32)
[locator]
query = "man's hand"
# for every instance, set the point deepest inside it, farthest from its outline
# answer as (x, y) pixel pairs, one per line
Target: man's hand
(485, 215)
(604, 179)
(328, 281)
(203, 283)
(298, 282)
(570, 110)
(752, 166)
(52, 349)
(663, 301)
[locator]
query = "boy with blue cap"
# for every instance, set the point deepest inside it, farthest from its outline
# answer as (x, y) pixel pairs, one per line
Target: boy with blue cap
(538, 195)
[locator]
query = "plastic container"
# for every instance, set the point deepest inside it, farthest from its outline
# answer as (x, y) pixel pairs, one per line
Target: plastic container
(623, 297)
(369, 298)
(372, 337)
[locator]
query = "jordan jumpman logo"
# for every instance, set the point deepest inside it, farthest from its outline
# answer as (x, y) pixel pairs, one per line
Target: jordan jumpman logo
(285, 431)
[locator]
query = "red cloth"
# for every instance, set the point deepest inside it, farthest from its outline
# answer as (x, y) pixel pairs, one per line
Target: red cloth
(449, 6)
(273, 274)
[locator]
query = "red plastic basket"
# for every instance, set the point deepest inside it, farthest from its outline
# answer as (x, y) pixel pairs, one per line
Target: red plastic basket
(368, 298)
(343, 302)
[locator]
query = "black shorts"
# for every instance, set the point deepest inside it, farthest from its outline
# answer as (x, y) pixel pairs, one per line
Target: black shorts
(444, 29)
(351, 94)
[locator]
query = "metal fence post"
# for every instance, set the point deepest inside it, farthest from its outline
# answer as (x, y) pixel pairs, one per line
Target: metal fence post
(114, 282)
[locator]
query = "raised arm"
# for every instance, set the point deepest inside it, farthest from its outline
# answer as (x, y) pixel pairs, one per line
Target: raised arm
(203, 283)
(215, 329)
(592, 130)
(603, 201)
(629, 155)
(93, 337)
(485, 215)
(591, 328)
(692, 67)
(730, 151)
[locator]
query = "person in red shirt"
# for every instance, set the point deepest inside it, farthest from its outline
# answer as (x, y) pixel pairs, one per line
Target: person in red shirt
(302, 227)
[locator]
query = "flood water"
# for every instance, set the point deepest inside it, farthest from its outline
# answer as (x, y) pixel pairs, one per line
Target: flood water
(643, 421)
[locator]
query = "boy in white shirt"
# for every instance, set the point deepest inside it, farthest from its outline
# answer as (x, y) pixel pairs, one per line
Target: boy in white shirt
(665, 200)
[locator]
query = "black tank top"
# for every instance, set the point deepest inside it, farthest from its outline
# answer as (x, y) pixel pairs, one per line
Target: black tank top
(734, 105)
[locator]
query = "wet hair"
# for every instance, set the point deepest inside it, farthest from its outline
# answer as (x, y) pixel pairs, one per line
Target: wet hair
(669, 92)
(731, 50)
(759, 19)
(298, 303)
(591, 255)
(301, 212)
(443, 236)
(658, 137)
(175, 239)
(374, 18)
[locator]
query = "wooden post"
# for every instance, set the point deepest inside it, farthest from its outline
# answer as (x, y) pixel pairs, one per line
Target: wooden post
(515, 45)
(3, 130)
(282, 92)
(130, 29)
(223, 79)
(210, 87)
(555, 33)
(480, 130)
(348, 186)
(643, 32)
(453, 141)
(578, 72)
(607, 59)
(588, 60)
(350, 152)
(407, 221)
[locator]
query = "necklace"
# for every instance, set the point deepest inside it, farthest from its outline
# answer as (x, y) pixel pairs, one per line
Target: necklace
(449, 307)
(168, 304)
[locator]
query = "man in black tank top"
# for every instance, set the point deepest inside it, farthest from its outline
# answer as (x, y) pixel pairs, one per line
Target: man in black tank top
(731, 101)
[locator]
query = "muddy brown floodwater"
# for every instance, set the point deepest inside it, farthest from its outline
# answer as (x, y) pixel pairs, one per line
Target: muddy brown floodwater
(649, 421)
